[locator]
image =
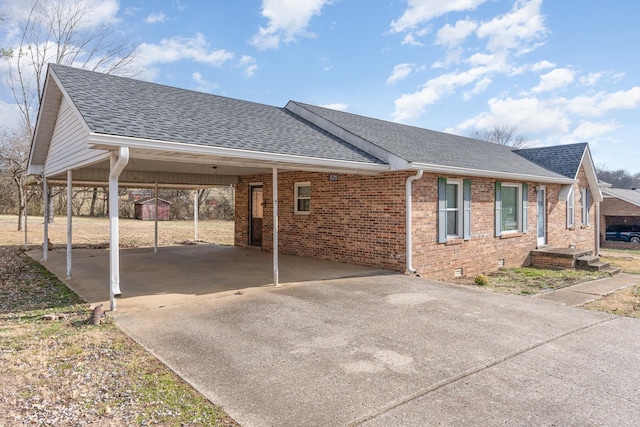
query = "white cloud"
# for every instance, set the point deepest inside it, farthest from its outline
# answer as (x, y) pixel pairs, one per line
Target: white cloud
(248, 63)
(590, 79)
(94, 12)
(203, 85)
(181, 48)
(527, 115)
(155, 18)
(589, 131)
(287, 20)
(336, 106)
(411, 105)
(10, 116)
(558, 78)
(400, 72)
(410, 40)
(542, 65)
(422, 11)
(519, 29)
(452, 36)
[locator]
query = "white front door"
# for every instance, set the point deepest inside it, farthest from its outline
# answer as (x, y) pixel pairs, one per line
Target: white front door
(542, 217)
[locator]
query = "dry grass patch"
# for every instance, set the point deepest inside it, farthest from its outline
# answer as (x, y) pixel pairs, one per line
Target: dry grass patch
(625, 302)
(66, 372)
(89, 231)
(532, 280)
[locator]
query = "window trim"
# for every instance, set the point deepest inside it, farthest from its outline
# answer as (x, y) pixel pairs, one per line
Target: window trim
(296, 197)
(584, 203)
(464, 210)
(518, 207)
(458, 210)
(571, 209)
(522, 202)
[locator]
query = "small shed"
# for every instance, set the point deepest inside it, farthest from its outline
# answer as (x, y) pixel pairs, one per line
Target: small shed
(145, 209)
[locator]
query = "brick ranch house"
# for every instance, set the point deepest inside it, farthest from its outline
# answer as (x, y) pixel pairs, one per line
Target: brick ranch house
(339, 186)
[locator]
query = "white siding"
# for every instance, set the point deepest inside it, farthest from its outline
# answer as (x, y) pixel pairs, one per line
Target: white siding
(68, 148)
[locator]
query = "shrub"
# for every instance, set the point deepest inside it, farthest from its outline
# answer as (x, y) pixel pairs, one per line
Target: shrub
(481, 280)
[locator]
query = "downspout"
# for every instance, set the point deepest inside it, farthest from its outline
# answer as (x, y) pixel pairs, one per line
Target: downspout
(408, 226)
(597, 229)
(117, 166)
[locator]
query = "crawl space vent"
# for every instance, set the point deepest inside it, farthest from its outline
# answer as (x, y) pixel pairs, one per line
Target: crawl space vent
(501, 262)
(457, 272)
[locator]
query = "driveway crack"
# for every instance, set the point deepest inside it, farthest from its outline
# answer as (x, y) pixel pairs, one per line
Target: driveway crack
(437, 386)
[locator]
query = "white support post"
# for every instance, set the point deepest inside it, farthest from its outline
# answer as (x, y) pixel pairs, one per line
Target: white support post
(117, 164)
(155, 225)
(45, 199)
(275, 226)
(69, 220)
(26, 206)
(195, 215)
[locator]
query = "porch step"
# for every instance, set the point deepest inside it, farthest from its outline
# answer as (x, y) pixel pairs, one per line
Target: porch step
(593, 263)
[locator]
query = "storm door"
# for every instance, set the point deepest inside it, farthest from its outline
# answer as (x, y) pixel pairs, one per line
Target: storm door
(256, 207)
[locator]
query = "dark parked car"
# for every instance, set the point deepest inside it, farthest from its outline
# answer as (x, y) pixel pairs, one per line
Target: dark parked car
(624, 233)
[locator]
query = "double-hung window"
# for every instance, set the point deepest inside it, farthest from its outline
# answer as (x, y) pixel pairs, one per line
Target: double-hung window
(454, 209)
(302, 203)
(511, 208)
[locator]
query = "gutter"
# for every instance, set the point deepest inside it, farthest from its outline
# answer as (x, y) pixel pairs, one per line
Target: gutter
(408, 223)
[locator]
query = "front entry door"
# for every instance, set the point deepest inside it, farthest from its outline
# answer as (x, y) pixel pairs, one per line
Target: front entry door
(542, 218)
(255, 216)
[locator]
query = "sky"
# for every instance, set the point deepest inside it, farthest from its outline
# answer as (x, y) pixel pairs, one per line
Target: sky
(558, 72)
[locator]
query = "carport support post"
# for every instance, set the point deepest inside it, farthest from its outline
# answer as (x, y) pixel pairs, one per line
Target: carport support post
(26, 208)
(155, 225)
(117, 164)
(69, 220)
(275, 226)
(195, 215)
(45, 199)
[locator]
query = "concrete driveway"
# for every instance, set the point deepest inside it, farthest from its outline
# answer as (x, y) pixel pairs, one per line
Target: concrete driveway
(393, 350)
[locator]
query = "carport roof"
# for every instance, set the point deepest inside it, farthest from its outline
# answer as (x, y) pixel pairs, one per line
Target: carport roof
(124, 107)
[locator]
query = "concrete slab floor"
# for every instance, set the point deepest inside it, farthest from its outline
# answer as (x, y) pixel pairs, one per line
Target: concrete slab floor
(178, 274)
(366, 349)
(398, 350)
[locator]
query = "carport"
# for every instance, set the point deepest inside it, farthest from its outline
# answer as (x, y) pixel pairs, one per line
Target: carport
(97, 130)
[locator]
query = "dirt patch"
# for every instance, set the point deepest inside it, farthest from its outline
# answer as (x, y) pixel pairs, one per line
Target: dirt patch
(56, 369)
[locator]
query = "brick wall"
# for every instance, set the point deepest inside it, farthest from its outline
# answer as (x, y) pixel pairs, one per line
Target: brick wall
(361, 220)
(355, 219)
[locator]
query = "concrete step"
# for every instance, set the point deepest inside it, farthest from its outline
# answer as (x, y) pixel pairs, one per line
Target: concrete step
(592, 263)
(612, 270)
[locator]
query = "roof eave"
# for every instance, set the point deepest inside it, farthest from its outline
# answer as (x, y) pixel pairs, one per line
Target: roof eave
(101, 141)
(453, 170)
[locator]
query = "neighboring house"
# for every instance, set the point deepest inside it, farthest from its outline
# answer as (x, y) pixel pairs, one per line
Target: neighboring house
(347, 187)
(145, 209)
(619, 207)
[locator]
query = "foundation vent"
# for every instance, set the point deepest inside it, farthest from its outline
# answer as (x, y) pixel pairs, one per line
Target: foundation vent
(458, 272)
(501, 262)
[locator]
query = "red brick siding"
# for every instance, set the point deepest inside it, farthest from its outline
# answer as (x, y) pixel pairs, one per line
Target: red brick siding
(356, 219)
(361, 220)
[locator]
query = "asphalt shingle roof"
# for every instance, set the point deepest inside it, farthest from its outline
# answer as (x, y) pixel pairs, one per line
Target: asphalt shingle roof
(420, 145)
(630, 196)
(563, 159)
(121, 106)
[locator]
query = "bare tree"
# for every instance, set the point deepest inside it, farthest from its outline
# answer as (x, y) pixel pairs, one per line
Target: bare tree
(58, 32)
(503, 135)
(620, 178)
(14, 154)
